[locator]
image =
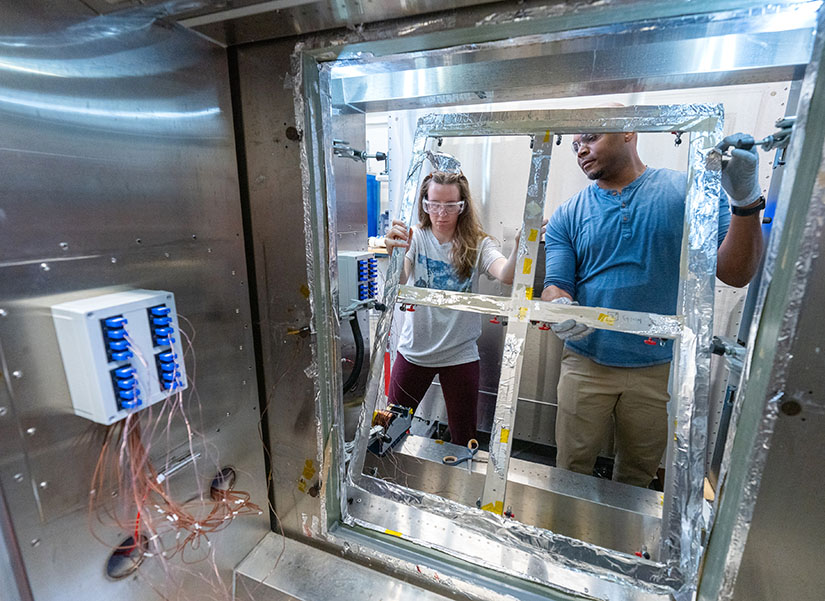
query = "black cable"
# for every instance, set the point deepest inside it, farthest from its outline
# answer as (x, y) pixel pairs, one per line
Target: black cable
(352, 380)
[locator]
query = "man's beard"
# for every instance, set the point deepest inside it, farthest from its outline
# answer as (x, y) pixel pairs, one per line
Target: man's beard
(594, 175)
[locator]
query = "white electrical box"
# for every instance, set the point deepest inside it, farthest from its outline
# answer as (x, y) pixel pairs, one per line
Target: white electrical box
(122, 352)
(357, 273)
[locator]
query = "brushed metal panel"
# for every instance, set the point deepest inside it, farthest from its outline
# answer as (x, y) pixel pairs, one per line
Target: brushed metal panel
(303, 17)
(594, 510)
(119, 172)
(783, 554)
(272, 179)
(283, 569)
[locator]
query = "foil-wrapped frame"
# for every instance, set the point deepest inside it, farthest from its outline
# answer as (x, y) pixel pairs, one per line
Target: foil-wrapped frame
(503, 544)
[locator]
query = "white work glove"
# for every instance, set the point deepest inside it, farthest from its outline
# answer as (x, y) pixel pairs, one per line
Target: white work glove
(740, 175)
(569, 329)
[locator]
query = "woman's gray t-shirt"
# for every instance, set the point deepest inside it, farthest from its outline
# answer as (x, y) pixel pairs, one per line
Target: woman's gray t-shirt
(432, 336)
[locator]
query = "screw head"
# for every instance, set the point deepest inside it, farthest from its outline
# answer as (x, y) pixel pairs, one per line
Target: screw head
(31, 431)
(3, 313)
(35, 542)
(3, 411)
(43, 485)
(18, 477)
(45, 267)
(17, 374)
(64, 245)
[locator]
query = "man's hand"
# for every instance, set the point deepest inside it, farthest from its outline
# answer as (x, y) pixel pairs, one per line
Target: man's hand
(740, 174)
(570, 329)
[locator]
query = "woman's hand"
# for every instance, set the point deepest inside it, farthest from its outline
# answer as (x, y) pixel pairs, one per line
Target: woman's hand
(398, 236)
(541, 234)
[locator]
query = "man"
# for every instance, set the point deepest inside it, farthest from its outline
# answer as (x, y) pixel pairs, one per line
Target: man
(617, 244)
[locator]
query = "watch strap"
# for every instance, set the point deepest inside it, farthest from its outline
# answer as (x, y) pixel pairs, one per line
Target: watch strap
(744, 212)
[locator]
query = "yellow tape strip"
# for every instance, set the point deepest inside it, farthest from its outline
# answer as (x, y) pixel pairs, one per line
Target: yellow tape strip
(522, 313)
(528, 292)
(533, 235)
(547, 136)
(528, 265)
(608, 319)
(497, 507)
(393, 532)
(505, 435)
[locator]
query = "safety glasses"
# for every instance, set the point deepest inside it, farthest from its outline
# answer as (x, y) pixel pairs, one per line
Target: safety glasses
(442, 208)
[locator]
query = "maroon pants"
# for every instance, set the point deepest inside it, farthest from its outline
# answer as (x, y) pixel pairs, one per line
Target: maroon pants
(459, 383)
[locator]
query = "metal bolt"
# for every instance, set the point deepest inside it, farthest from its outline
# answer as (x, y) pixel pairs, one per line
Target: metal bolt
(233, 272)
(3, 313)
(18, 477)
(237, 311)
(35, 542)
(240, 348)
(64, 245)
(31, 431)
(45, 267)
(3, 411)
(114, 260)
(44, 485)
(17, 374)
(243, 382)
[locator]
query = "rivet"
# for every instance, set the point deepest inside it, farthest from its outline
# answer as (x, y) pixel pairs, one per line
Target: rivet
(45, 266)
(35, 542)
(114, 260)
(240, 348)
(3, 313)
(17, 374)
(44, 485)
(233, 272)
(31, 431)
(237, 311)
(228, 413)
(3, 411)
(243, 382)
(64, 245)
(18, 477)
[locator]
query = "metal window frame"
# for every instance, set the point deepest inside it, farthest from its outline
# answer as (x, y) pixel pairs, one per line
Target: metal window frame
(383, 506)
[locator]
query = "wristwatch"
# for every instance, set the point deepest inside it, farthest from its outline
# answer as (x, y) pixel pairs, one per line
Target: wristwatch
(744, 212)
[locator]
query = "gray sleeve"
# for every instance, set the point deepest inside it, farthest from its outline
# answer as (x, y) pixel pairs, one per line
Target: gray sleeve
(489, 253)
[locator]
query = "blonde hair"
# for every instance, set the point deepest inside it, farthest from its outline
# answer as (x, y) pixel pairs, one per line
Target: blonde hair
(468, 234)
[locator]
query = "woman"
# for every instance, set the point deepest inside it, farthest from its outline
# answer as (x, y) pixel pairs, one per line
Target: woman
(447, 251)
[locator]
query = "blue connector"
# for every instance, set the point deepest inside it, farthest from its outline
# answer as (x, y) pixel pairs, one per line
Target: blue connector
(116, 334)
(171, 366)
(171, 377)
(164, 332)
(161, 321)
(118, 345)
(167, 356)
(115, 322)
(122, 356)
(124, 372)
(129, 395)
(127, 384)
(160, 311)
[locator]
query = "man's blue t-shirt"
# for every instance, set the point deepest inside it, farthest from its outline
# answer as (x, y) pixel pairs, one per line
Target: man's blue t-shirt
(621, 250)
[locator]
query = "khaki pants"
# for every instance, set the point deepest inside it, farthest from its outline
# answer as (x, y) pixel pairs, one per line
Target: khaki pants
(591, 396)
